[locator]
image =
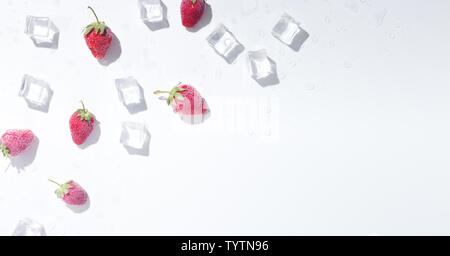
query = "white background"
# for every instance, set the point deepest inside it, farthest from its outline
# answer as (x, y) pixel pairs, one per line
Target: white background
(358, 143)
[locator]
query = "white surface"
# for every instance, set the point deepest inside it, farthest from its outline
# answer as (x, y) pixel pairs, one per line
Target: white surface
(359, 143)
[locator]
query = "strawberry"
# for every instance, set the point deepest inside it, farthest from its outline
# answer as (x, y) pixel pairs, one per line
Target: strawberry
(97, 42)
(14, 142)
(186, 100)
(71, 193)
(81, 125)
(191, 12)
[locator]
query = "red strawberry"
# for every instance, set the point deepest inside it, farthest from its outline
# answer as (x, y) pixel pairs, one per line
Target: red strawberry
(14, 142)
(186, 100)
(191, 12)
(97, 42)
(71, 193)
(81, 125)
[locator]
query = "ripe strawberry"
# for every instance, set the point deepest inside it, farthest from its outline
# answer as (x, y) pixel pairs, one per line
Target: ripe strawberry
(97, 42)
(186, 100)
(14, 142)
(191, 12)
(71, 193)
(81, 125)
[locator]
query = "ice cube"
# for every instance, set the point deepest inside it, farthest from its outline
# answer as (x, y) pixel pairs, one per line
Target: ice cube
(225, 44)
(36, 93)
(28, 227)
(42, 31)
(134, 135)
(151, 11)
(131, 94)
(261, 66)
(288, 31)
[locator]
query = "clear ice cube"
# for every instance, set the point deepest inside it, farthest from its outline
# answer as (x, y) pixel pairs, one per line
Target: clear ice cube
(37, 93)
(151, 11)
(261, 66)
(28, 227)
(42, 31)
(131, 94)
(225, 44)
(288, 31)
(134, 135)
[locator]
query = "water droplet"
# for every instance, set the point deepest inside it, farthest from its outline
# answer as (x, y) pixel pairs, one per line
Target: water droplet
(392, 36)
(352, 5)
(218, 73)
(268, 107)
(262, 34)
(292, 63)
(378, 17)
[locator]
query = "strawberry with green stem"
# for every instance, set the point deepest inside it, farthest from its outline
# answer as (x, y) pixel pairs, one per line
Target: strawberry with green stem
(192, 12)
(185, 100)
(81, 124)
(98, 37)
(71, 193)
(174, 93)
(14, 142)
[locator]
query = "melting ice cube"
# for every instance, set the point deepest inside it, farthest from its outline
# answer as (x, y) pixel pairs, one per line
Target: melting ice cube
(28, 227)
(288, 31)
(36, 93)
(225, 44)
(261, 66)
(42, 31)
(135, 136)
(131, 94)
(151, 11)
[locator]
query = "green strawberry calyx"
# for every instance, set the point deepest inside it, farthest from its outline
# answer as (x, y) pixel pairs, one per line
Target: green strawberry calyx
(195, 1)
(173, 94)
(96, 26)
(4, 149)
(84, 113)
(63, 189)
